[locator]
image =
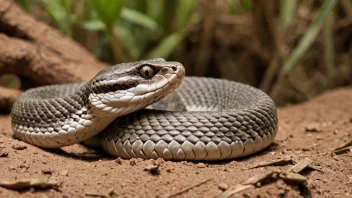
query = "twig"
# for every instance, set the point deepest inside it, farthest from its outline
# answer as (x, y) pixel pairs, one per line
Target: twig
(189, 188)
(347, 144)
(275, 162)
(347, 147)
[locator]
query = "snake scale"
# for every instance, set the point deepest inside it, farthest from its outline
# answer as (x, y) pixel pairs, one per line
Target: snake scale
(213, 120)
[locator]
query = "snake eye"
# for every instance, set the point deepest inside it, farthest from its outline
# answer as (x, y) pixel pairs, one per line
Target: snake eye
(147, 72)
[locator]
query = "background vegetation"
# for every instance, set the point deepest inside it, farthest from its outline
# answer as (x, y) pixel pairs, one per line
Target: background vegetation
(292, 49)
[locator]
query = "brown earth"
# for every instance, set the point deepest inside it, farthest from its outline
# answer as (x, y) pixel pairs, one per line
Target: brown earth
(87, 174)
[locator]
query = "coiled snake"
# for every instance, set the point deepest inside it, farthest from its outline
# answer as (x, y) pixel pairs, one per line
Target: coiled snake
(213, 120)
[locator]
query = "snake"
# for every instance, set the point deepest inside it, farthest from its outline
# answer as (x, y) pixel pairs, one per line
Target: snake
(131, 108)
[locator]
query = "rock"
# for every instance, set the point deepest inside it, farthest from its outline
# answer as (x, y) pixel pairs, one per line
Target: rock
(47, 171)
(118, 160)
(133, 162)
(313, 127)
(153, 169)
(223, 186)
(19, 147)
(201, 165)
(4, 153)
(63, 173)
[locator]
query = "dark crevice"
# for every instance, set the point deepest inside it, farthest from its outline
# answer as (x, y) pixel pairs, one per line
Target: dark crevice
(304, 191)
(12, 31)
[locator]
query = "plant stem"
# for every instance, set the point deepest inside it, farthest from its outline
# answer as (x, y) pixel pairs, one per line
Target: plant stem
(287, 12)
(329, 46)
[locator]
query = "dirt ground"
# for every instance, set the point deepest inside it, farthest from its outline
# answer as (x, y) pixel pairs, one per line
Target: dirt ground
(312, 129)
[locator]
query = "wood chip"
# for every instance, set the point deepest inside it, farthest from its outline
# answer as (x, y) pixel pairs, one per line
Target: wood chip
(289, 176)
(26, 183)
(275, 162)
(301, 165)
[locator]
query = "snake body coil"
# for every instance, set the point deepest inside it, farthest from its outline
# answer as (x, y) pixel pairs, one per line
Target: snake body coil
(215, 119)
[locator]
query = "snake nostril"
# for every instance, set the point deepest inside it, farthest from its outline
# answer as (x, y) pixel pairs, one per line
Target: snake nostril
(174, 68)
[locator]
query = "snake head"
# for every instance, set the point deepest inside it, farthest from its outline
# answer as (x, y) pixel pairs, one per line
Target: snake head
(128, 87)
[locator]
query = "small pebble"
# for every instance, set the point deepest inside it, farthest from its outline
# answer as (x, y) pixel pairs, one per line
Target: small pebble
(19, 147)
(111, 191)
(223, 186)
(133, 162)
(158, 161)
(47, 171)
(12, 167)
(118, 160)
(63, 173)
(201, 165)
(153, 169)
(313, 127)
(3, 153)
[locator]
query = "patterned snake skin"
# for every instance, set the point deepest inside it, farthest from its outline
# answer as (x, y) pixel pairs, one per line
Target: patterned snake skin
(213, 120)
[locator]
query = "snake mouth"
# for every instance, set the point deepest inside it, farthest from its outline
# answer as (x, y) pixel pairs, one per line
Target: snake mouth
(133, 92)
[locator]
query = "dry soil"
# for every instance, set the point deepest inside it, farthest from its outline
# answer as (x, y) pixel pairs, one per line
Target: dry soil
(312, 129)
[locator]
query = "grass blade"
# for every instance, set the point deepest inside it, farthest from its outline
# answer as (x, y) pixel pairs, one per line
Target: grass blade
(287, 12)
(329, 46)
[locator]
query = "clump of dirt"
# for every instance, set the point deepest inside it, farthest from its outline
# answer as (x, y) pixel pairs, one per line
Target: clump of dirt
(82, 172)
